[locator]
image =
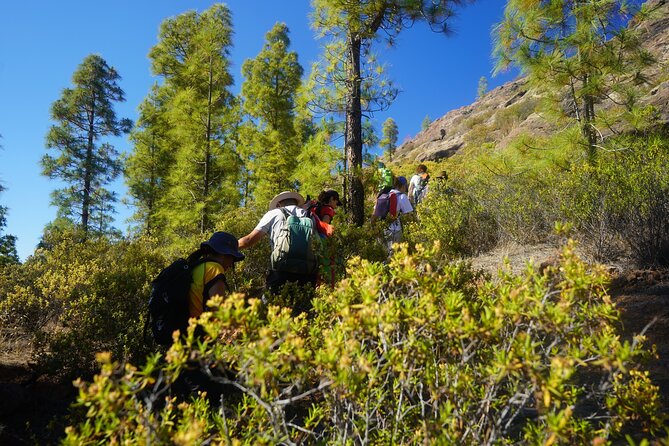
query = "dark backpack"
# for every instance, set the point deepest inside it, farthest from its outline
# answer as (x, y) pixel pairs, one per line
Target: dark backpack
(293, 246)
(168, 302)
(386, 203)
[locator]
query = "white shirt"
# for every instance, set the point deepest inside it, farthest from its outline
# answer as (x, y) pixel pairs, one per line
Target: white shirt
(403, 207)
(272, 222)
(415, 182)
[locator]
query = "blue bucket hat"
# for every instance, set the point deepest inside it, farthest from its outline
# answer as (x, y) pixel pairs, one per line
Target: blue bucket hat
(224, 243)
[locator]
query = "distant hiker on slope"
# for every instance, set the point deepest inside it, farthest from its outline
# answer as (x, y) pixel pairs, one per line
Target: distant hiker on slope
(418, 184)
(390, 206)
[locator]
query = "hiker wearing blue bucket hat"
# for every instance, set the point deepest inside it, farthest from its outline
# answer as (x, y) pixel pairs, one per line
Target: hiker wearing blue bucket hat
(215, 256)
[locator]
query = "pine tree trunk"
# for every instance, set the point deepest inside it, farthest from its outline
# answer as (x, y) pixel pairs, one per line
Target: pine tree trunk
(153, 186)
(204, 218)
(86, 202)
(356, 191)
(587, 127)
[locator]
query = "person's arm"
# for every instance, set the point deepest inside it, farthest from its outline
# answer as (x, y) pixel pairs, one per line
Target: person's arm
(250, 239)
(327, 213)
(218, 288)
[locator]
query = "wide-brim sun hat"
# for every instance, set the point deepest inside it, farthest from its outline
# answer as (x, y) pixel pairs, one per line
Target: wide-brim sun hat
(286, 195)
(224, 243)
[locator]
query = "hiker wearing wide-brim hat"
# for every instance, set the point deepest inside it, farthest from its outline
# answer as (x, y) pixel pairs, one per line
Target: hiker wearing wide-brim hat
(285, 197)
(287, 225)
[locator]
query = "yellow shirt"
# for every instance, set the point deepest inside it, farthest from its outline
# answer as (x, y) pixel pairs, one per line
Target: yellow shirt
(202, 275)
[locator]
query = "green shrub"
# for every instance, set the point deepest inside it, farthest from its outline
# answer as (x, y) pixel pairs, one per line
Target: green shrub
(622, 201)
(460, 224)
(79, 298)
(416, 351)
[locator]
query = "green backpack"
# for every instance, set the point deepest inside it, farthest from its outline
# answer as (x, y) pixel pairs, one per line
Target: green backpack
(293, 246)
(386, 177)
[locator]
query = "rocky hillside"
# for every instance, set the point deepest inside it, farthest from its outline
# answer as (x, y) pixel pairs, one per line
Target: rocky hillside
(511, 109)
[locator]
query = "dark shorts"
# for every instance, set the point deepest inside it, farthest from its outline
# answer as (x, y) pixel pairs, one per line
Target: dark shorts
(277, 279)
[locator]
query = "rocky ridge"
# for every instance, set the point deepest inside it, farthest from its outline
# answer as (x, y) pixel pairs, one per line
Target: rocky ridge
(511, 109)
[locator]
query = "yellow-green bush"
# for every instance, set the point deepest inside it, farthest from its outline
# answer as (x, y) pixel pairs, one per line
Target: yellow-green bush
(623, 197)
(460, 224)
(618, 204)
(417, 351)
(78, 298)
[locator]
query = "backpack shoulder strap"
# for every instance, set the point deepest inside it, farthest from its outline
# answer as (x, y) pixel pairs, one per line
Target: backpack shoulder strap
(208, 286)
(393, 204)
(285, 212)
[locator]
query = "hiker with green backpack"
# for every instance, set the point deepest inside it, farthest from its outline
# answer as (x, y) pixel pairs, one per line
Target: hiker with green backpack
(291, 235)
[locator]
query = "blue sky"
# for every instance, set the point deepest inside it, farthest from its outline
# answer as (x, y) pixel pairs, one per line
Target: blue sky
(43, 42)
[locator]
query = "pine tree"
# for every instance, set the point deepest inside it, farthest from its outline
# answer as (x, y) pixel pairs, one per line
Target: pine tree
(85, 115)
(425, 124)
(192, 56)
(326, 93)
(148, 166)
(8, 252)
(269, 93)
(482, 88)
(390, 133)
(581, 47)
(353, 26)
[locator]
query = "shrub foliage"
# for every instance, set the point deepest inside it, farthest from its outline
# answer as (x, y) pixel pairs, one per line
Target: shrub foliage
(415, 351)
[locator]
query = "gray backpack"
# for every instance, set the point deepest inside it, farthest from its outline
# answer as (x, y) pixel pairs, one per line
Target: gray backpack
(293, 246)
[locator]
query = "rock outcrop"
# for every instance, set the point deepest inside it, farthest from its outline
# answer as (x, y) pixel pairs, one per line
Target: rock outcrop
(509, 110)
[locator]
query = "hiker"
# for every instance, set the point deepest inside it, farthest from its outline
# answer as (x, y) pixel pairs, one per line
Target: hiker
(418, 184)
(219, 253)
(442, 132)
(211, 261)
(181, 290)
(324, 211)
(391, 205)
(289, 264)
(328, 201)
